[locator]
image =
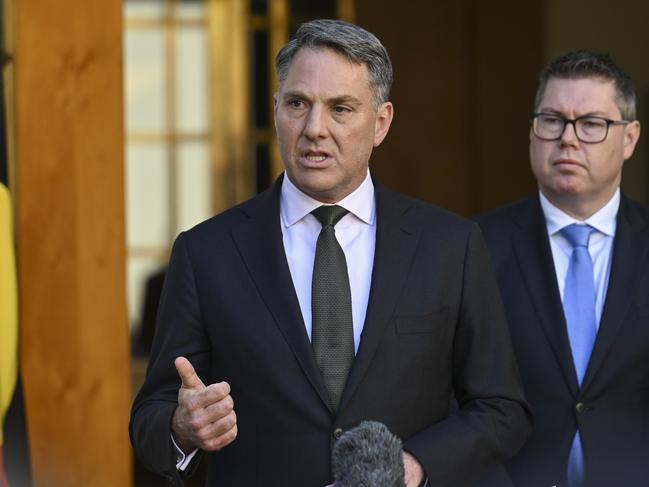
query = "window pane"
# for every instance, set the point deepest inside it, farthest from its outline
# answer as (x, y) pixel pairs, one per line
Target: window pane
(144, 9)
(145, 80)
(147, 196)
(191, 10)
(194, 185)
(192, 102)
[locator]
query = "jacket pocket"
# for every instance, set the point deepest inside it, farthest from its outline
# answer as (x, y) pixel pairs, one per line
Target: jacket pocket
(428, 323)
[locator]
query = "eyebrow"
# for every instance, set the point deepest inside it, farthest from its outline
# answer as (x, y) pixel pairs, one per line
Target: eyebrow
(335, 100)
(352, 100)
(594, 113)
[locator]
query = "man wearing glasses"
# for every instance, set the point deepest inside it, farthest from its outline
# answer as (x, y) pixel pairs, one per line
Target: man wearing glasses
(573, 268)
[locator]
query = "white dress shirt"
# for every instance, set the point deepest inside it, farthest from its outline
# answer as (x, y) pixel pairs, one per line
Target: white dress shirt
(600, 244)
(355, 232)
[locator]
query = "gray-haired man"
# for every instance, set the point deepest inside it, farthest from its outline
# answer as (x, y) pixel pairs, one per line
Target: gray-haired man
(328, 300)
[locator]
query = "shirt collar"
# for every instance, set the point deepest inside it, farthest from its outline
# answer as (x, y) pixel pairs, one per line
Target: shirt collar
(295, 204)
(604, 220)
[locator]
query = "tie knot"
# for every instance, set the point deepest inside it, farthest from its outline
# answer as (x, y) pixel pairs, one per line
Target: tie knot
(329, 215)
(577, 235)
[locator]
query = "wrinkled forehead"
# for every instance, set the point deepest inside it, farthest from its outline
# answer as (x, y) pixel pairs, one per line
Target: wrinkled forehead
(326, 71)
(325, 52)
(582, 95)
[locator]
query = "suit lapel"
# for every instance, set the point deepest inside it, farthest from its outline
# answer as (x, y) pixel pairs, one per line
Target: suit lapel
(629, 253)
(532, 249)
(395, 247)
(259, 241)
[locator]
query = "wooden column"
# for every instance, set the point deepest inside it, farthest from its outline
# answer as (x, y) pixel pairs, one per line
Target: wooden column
(230, 77)
(279, 16)
(70, 226)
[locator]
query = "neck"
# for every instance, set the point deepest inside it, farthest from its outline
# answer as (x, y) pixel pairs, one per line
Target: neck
(577, 206)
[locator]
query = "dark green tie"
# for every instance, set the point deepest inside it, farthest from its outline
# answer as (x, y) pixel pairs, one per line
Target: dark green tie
(332, 335)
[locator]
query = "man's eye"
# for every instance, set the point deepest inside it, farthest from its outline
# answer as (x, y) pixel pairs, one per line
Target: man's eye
(592, 123)
(549, 120)
(295, 103)
(341, 109)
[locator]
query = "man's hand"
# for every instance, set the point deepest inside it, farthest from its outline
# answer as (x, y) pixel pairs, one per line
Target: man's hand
(205, 416)
(414, 471)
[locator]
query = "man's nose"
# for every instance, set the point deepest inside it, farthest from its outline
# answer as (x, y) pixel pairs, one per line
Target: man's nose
(569, 135)
(316, 123)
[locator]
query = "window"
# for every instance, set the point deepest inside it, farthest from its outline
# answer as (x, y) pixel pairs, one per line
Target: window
(169, 131)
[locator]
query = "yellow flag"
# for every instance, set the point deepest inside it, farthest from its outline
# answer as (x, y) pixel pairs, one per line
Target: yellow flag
(8, 308)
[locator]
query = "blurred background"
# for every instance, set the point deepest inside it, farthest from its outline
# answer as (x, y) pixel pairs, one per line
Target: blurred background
(126, 122)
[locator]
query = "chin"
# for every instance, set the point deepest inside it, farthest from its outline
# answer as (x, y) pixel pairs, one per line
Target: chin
(568, 191)
(316, 191)
(569, 186)
(567, 183)
(313, 182)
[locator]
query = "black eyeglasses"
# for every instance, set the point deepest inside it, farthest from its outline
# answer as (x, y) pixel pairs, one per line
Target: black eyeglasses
(588, 129)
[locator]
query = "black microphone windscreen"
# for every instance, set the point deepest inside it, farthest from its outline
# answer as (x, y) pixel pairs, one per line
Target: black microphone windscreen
(368, 456)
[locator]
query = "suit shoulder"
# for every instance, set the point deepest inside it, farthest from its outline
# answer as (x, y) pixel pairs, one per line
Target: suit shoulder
(222, 221)
(506, 215)
(220, 226)
(429, 217)
(498, 225)
(635, 211)
(509, 211)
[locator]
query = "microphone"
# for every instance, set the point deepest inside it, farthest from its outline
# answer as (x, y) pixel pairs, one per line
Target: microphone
(368, 456)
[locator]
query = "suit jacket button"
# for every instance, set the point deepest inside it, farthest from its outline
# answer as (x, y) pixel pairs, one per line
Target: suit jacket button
(338, 432)
(580, 407)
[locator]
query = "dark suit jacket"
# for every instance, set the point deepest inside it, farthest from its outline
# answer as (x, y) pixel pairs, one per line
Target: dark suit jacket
(435, 326)
(612, 406)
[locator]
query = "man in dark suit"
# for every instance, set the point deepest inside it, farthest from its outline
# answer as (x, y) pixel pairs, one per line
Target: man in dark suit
(387, 317)
(573, 269)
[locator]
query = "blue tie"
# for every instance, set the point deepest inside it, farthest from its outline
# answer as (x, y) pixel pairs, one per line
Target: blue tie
(579, 309)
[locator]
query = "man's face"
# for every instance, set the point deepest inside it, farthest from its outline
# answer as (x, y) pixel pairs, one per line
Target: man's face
(569, 171)
(327, 124)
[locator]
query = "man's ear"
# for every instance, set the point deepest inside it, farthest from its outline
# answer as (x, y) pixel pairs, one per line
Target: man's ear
(631, 136)
(383, 121)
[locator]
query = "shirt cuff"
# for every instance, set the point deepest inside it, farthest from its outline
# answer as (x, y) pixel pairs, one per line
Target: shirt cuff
(182, 460)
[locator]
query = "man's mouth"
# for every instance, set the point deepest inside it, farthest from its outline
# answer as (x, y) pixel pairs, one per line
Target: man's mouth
(566, 161)
(316, 157)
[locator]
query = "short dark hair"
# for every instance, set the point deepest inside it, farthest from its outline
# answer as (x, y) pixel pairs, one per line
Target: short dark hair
(352, 41)
(579, 64)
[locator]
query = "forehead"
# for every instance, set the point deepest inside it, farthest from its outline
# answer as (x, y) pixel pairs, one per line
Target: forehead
(325, 70)
(580, 96)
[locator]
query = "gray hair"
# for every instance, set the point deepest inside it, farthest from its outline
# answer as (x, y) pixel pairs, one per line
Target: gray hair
(353, 42)
(582, 64)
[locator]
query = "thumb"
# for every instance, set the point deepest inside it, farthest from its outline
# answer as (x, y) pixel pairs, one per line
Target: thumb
(187, 374)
